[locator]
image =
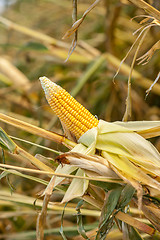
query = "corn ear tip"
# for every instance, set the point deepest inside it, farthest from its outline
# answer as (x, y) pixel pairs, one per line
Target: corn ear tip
(47, 83)
(42, 78)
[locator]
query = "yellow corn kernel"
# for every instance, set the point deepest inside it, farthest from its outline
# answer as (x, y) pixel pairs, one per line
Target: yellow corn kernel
(76, 117)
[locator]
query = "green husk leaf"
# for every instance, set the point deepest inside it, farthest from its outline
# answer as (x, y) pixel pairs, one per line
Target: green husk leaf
(63, 169)
(130, 170)
(77, 187)
(134, 147)
(147, 129)
(129, 152)
(139, 125)
(67, 169)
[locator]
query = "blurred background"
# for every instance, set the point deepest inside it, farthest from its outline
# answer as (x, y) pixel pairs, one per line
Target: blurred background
(31, 46)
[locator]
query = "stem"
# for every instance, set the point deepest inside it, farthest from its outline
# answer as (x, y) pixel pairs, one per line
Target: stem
(33, 160)
(147, 7)
(135, 223)
(36, 130)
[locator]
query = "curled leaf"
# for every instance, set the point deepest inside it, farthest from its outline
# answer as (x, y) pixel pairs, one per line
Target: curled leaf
(94, 163)
(148, 55)
(76, 25)
(155, 81)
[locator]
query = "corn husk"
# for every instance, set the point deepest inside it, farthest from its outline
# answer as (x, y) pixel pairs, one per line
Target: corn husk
(131, 155)
(124, 154)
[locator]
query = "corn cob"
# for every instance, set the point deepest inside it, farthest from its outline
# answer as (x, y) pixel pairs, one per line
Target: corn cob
(76, 117)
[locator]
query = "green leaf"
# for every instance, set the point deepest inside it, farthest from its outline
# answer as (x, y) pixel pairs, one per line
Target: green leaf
(107, 186)
(111, 203)
(6, 142)
(61, 228)
(134, 234)
(81, 229)
(3, 174)
(107, 221)
(32, 178)
(126, 196)
(34, 46)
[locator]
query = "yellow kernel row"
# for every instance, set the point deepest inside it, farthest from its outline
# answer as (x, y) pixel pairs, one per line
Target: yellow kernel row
(76, 117)
(71, 122)
(82, 111)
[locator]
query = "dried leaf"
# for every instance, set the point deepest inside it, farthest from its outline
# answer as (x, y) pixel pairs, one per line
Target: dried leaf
(18, 79)
(127, 113)
(76, 25)
(148, 55)
(147, 7)
(90, 163)
(155, 81)
(42, 215)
